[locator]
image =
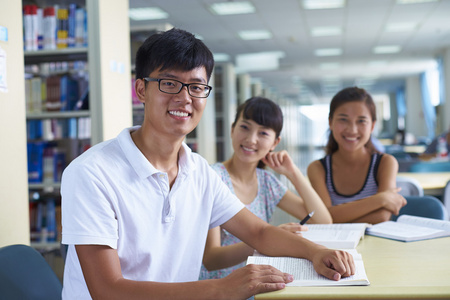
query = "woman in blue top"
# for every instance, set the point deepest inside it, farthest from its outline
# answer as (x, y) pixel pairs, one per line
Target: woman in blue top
(356, 183)
(255, 133)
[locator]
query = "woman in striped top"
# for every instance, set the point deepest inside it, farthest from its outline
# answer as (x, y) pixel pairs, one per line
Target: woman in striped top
(356, 183)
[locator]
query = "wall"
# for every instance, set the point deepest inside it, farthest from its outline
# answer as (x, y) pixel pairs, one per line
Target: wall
(14, 220)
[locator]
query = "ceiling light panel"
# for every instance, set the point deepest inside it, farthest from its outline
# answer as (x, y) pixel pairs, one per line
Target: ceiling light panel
(147, 13)
(232, 8)
(326, 31)
(328, 52)
(414, 1)
(323, 4)
(387, 49)
(255, 35)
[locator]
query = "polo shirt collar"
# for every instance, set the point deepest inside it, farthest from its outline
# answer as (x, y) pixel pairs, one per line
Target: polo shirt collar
(139, 162)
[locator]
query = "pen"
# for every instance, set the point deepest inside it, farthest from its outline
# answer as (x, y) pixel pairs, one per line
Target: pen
(302, 222)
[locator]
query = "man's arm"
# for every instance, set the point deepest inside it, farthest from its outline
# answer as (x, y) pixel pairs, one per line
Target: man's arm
(101, 270)
(274, 241)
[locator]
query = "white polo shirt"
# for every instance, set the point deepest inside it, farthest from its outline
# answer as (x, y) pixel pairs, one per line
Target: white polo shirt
(112, 195)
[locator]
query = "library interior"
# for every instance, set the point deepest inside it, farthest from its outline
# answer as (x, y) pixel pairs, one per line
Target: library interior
(67, 83)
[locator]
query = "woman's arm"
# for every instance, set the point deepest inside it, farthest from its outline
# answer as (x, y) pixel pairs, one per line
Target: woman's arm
(373, 209)
(307, 200)
(218, 257)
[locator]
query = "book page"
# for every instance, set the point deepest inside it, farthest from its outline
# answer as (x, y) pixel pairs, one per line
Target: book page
(425, 222)
(335, 235)
(305, 274)
(404, 231)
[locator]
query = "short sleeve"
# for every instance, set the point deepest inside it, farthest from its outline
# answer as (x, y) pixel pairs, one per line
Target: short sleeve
(88, 215)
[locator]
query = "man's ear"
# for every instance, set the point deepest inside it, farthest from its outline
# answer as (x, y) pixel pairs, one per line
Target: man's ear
(139, 87)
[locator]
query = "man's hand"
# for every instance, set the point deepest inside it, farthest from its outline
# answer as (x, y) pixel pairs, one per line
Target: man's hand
(254, 279)
(334, 264)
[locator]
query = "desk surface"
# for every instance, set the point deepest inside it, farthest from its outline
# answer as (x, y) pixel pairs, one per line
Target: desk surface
(396, 270)
(432, 183)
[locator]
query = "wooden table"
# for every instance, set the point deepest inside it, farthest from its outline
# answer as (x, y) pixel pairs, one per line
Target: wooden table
(432, 183)
(396, 270)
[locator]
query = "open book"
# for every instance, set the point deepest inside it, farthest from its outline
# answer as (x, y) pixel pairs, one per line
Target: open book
(336, 236)
(305, 274)
(411, 228)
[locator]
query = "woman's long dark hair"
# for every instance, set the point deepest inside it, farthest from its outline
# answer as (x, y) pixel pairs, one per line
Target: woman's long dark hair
(264, 112)
(350, 94)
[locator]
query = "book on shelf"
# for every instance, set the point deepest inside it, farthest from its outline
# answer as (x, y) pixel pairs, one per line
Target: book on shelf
(51, 27)
(336, 236)
(44, 220)
(304, 273)
(411, 228)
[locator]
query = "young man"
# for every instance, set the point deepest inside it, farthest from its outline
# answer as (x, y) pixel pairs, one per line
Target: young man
(137, 208)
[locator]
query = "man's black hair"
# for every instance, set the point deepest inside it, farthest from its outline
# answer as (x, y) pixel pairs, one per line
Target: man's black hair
(174, 49)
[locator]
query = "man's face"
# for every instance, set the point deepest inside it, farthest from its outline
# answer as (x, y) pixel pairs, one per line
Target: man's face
(173, 114)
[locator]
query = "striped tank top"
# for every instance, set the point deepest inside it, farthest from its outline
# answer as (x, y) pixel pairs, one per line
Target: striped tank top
(369, 188)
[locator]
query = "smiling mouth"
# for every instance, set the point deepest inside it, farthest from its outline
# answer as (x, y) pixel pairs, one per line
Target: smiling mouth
(179, 113)
(351, 139)
(248, 149)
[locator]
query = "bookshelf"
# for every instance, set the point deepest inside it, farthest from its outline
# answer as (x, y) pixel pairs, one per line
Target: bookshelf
(225, 98)
(100, 70)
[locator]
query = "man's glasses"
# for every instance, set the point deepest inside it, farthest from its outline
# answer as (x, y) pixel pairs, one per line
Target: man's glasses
(172, 86)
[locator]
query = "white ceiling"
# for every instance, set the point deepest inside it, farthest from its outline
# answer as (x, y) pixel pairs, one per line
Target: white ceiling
(363, 23)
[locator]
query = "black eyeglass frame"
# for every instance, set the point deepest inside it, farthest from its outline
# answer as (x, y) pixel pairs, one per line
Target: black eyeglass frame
(149, 79)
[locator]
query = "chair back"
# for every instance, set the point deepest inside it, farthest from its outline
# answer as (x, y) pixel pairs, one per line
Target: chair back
(25, 274)
(410, 186)
(423, 206)
(446, 197)
(435, 166)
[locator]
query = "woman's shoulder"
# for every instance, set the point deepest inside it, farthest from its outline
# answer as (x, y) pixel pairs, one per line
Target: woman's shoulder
(387, 160)
(267, 177)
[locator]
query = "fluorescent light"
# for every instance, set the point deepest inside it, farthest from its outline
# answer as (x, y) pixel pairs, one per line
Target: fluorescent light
(414, 1)
(387, 49)
(232, 8)
(323, 4)
(326, 31)
(220, 57)
(400, 27)
(255, 34)
(261, 61)
(147, 13)
(328, 52)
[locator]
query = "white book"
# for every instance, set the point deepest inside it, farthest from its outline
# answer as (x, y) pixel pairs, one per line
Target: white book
(336, 236)
(411, 228)
(305, 274)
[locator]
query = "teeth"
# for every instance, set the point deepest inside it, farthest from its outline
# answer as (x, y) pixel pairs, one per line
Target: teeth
(351, 139)
(179, 113)
(247, 149)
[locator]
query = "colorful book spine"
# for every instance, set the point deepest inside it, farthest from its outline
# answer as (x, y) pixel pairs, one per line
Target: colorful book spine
(49, 28)
(72, 24)
(63, 26)
(81, 28)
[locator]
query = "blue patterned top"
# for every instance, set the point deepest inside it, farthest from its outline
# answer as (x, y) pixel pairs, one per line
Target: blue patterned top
(270, 192)
(369, 188)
